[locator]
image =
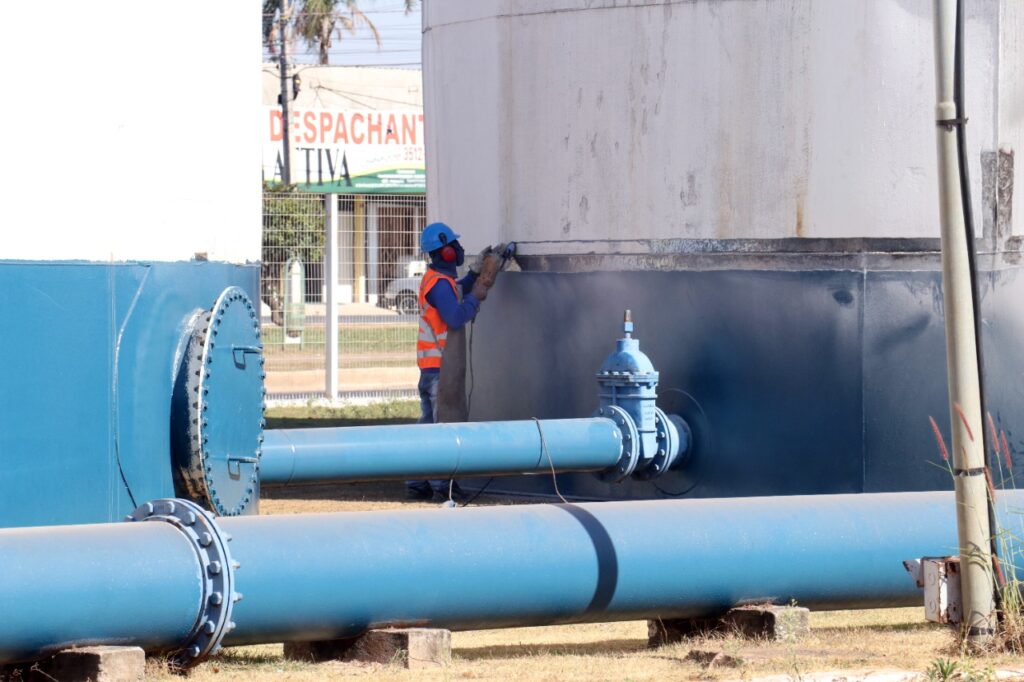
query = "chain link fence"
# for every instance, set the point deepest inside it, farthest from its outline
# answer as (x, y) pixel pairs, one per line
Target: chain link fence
(379, 268)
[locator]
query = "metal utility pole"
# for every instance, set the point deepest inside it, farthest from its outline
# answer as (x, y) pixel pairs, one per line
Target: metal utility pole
(286, 170)
(331, 295)
(972, 504)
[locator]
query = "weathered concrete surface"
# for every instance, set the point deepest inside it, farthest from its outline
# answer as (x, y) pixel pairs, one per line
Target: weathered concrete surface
(85, 664)
(693, 120)
(753, 622)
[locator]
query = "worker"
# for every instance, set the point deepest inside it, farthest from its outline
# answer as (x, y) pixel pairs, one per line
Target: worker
(446, 304)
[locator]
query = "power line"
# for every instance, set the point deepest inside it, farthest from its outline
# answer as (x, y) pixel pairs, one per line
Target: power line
(365, 65)
(373, 65)
(369, 12)
(354, 96)
(303, 67)
(376, 97)
(388, 30)
(362, 50)
(384, 39)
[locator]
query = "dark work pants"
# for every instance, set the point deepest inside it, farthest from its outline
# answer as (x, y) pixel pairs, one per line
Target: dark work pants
(428, 415)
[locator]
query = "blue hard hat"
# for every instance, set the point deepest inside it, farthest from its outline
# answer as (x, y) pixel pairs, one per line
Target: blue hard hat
(436, 235)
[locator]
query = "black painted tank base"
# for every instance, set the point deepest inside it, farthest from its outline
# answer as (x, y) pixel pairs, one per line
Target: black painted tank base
(809, 373)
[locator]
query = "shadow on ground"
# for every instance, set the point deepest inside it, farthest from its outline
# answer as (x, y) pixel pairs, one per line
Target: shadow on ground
(604, 648)
(328, 422)
(923, 626)
(376, 492)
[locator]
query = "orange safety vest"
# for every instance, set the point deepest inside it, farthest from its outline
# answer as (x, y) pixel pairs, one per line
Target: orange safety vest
(433, 329)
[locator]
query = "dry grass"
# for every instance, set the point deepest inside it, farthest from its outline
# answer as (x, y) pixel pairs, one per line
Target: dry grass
(891, 639)
(316, 416)
(847, 640)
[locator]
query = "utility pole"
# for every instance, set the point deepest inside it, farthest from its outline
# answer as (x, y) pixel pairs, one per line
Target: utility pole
(974, 533)
(286, 131)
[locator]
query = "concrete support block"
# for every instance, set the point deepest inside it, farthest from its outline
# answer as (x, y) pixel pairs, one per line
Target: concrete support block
(769, 622)
(752, 622)
(86, 664)
(412, 648)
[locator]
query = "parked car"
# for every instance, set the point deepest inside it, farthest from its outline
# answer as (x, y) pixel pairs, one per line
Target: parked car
(403, 294)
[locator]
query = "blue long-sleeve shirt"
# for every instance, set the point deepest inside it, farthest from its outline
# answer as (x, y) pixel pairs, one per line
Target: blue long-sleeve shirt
(455, 314)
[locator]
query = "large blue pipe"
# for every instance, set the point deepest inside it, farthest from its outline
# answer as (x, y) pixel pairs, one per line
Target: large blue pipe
(549, 564)
(65, 586)
(335, 575)
(366, 453)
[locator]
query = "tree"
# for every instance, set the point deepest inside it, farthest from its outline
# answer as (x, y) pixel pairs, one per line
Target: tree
(270, 22)
(293, 226)
(318, 22)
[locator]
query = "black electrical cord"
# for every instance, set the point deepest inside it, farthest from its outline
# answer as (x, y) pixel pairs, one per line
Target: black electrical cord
(669, 493)
(469, 353)
(968, 211)
(469, 406)
(478, 493)
(115, 379)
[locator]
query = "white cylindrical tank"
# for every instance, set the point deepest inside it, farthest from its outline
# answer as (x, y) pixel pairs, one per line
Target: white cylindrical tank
(560, 121)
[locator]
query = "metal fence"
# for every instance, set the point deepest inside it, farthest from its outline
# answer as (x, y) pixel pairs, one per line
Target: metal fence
(376, 274)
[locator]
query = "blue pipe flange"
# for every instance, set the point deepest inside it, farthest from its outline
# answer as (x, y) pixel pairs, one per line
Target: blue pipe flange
(630, 442)
(217, 413)
(673, 439)
(219, 595)
(693, 458)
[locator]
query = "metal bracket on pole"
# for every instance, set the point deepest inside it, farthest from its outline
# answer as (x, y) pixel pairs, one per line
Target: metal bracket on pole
(219, 595)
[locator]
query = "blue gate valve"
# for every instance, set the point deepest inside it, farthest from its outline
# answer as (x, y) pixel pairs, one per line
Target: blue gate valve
(628, 390)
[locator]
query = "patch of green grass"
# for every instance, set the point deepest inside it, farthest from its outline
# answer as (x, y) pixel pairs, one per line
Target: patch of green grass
(389, 412)
(352, 339)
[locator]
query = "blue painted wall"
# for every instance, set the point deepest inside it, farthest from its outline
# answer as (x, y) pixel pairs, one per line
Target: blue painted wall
(89, 358)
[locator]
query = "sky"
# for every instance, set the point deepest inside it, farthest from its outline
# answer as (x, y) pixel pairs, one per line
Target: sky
(400, 39)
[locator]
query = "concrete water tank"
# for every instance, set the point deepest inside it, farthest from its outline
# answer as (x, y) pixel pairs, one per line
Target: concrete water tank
(757, 182)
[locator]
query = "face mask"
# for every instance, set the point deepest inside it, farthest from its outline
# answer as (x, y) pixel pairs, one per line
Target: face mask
(460, 256)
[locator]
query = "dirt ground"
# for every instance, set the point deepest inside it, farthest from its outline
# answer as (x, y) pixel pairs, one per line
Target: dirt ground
(877, 643)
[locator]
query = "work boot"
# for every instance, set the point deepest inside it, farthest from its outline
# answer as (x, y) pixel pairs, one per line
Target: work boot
(418, 494)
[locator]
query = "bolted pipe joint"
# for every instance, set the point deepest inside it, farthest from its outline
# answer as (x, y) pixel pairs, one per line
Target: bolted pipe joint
(672, 445)
(218, 576)
(631, 446)
(653, 442)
